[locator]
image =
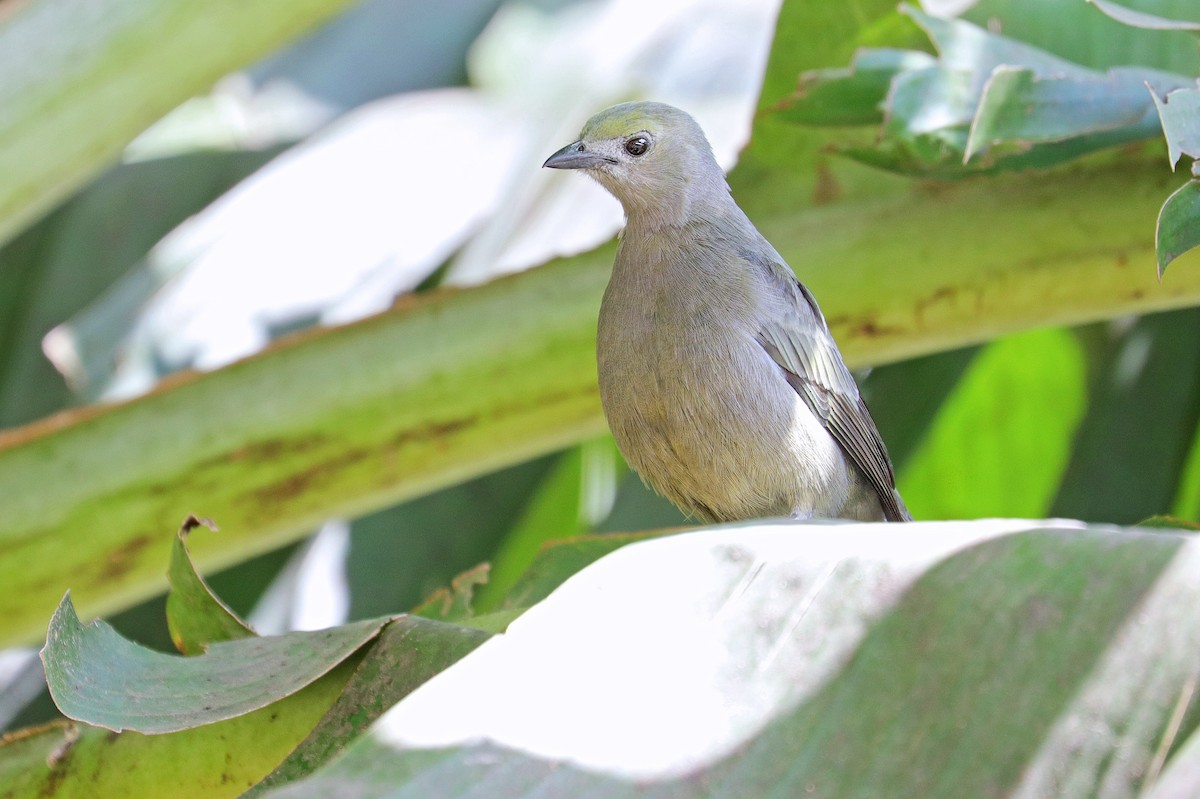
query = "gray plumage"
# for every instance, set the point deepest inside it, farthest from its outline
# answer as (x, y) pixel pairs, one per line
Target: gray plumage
(721, 382)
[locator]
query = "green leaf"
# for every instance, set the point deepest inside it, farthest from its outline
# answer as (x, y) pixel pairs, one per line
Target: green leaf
(101, 80)
(1002, 440)
(963, 46)
(637, 507)
(1187, 497)
(946, 96)
(839, 660)
(1169, 523)
(97, 677)
(1015, 104)
(849, 96)
(1178, 227)
(1140, 19)
(559, 560)
(1020, 108)
(1143, 409)
(209, 762)
(1180, 114)
(904, 416)
(844, 29)
(1073, 30)
(406, 653)
(196, 617)
(577, 494)
(341, 433)
(453, 602)
(409, 651)
(399, 556)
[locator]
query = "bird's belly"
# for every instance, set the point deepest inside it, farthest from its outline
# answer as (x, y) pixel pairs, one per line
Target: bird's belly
(708, 420)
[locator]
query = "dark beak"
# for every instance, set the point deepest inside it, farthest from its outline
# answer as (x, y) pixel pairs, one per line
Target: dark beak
(573, 156)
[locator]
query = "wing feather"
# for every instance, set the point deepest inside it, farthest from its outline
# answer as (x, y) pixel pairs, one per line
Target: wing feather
(800, 342)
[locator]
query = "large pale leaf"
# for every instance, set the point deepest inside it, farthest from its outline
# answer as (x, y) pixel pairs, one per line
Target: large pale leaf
(559, 560)
(945, 660)
(364, 193)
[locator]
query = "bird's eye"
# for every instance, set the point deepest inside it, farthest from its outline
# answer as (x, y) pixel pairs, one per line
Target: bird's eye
(637, 145)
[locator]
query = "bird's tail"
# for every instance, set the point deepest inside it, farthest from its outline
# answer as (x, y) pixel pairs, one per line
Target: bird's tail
(895, 510)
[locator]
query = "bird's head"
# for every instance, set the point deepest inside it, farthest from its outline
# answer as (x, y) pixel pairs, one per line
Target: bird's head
(650, 156)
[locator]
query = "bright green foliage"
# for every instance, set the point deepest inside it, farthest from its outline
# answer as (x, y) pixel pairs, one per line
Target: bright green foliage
(196, 617)
(1028, 394)
(988, 102)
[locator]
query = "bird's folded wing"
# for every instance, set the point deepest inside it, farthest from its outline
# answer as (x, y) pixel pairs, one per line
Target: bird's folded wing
(801, 344)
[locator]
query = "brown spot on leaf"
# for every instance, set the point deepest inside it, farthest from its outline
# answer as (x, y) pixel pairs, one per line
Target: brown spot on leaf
(945, 294)
(827, 189)
(865, 326)
(430, 432)
(120, 562)
(193, 521)
(298, 483)
(285, 490)
(276, 448)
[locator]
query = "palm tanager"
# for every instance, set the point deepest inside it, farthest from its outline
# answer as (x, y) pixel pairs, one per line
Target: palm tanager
(720, 380)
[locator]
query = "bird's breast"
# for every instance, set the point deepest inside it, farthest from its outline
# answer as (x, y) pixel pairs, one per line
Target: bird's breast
(696, 404)
(700, 411)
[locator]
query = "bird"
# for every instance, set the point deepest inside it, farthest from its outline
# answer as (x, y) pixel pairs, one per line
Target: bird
(718, 375)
